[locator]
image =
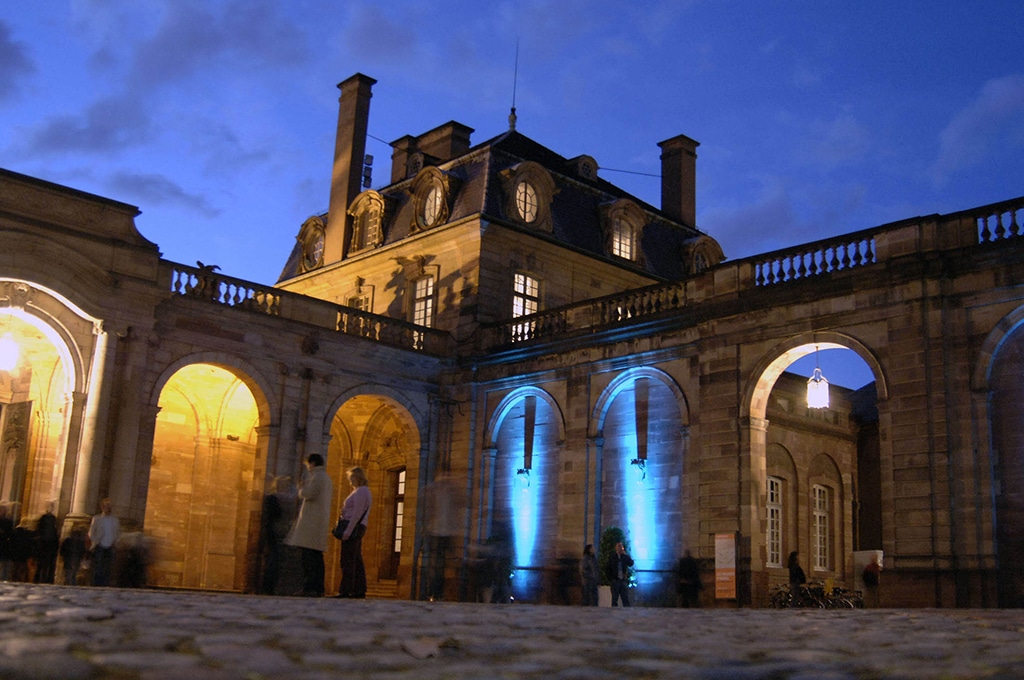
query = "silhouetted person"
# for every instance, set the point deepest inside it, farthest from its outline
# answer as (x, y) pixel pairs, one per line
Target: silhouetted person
(6, 531)
(47, 542)
(591, 574)
(22, 543)
(72, 552)
(278, 516)
(796, 577)
(689, 581)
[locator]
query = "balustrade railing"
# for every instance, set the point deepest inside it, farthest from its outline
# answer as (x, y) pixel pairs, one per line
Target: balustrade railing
(997, 221)
(205, 284)
(814, 259)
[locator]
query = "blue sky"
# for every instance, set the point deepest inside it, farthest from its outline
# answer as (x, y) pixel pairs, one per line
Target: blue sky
(217, 118)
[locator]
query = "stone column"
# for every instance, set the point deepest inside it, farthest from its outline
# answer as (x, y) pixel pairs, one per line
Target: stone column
(85, 496)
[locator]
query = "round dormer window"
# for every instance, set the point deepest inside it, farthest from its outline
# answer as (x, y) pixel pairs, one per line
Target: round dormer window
(526, 201)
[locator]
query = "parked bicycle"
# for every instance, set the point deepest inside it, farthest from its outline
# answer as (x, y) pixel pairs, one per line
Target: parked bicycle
(814, 596)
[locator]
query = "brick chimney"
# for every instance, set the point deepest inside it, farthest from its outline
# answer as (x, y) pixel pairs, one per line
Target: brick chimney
(679, 179)
(349, 150)
(441, 144)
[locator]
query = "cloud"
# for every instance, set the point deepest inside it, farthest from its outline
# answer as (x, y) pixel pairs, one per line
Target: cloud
(993, 121)
(15, 63)
(157, 190)
(108, 124)
(191, 39)
(831, 144)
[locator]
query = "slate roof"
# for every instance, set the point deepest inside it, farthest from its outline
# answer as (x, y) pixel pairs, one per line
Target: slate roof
(575, 208)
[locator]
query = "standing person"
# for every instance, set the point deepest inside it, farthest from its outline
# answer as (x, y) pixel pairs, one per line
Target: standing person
(356, 510)
(309, 533)
(49, 541)
(591, 576)
(870, 576)
(72, 551)
(796, 577)
(103, 533)
(617, 571)
(689, 581)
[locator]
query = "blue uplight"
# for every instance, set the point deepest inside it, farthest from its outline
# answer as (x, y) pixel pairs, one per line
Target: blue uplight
(524, 515)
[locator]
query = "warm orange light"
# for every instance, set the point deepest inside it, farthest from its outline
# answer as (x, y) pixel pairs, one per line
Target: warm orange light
(8, 352)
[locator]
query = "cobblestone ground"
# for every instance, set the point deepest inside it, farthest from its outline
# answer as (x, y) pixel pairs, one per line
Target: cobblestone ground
(69, 633)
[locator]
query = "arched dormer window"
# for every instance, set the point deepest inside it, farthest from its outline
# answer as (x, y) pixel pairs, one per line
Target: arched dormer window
(529, 189)
(368, 212)
(623, 222)
(311, 240)
(700, 254)
(432, 194)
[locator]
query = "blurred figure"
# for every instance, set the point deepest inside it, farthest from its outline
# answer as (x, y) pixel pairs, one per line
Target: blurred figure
(796, 577)
(134, 555)
(871, 577)
(6, 532)
(47, 542)
(445, 513)
(688, 576)
(103, 534)
(313, 524)
(591, 573)
(278, 516)
(499, 549)
(22, 543)
(72, 552)
(356, 511)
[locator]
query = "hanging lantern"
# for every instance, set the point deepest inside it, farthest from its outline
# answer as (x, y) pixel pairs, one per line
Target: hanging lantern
(8, 352)
(817, 390)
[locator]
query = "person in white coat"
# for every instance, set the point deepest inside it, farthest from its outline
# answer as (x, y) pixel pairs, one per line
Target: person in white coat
(309, 533)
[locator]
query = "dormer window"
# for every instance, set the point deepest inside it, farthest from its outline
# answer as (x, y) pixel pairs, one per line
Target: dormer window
(431, 198)
(529, 190)
(623, 223)
(623, 239)
(311, 239)
(367, 219)
(526, 202)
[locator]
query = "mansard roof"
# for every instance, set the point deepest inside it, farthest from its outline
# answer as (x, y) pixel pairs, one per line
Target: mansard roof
(576, 206)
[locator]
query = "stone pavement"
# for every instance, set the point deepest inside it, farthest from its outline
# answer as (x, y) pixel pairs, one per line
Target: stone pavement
(70, 633)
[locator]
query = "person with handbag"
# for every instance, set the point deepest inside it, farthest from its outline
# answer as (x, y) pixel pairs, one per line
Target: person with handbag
(309, 533)
(355, 514)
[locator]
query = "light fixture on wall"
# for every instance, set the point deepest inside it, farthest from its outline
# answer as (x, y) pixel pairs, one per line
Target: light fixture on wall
(641, 468)
(523, 478)
(817, 386)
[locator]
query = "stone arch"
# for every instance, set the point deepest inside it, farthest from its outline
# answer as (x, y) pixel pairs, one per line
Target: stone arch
(640, 424)
(43, 402)
(525, 435)
(509, 401)
(381, 430)
(207, 429)
(997, 394)
(769, 367)
(625, 381)
(753, 407)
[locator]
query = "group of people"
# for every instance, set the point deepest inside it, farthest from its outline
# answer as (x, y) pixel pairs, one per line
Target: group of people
(617, 569)
(312, 528)
(30, 554)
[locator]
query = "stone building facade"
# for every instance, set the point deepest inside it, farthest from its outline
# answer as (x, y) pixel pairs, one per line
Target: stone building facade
(565, 355)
